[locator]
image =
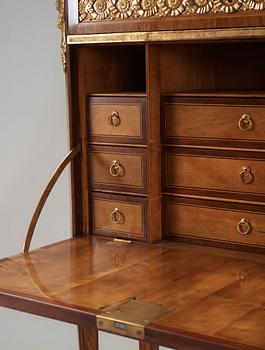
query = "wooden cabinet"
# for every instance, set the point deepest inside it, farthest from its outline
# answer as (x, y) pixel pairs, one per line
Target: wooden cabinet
(118, 168)
(167, 130)
(117, 119)
(212, 118)
(118, 165)
(170, 120)
(213, 221)
(119, 216)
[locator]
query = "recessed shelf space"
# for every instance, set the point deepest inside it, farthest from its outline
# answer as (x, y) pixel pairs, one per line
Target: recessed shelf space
(223, 68)
(118, 69)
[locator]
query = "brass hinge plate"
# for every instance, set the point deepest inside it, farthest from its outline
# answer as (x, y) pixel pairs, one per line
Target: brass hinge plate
(130, 318)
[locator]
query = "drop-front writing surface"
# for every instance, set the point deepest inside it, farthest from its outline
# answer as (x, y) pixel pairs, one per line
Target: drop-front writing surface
(216, 297)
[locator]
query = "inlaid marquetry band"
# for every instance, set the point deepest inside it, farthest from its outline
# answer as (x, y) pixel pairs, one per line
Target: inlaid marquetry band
(98, 10)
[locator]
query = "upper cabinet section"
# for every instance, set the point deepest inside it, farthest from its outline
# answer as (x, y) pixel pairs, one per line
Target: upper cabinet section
(110, 16)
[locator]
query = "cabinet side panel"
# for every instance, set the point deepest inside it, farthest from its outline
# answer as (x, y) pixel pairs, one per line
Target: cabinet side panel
(154, 143)
(74, 140)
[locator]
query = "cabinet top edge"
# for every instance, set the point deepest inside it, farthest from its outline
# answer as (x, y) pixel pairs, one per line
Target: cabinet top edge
(250, 33)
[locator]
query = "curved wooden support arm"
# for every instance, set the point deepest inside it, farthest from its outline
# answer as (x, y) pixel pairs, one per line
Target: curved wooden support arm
(70, 156)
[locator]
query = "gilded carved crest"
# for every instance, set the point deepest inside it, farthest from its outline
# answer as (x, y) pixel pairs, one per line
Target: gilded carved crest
(95, 10)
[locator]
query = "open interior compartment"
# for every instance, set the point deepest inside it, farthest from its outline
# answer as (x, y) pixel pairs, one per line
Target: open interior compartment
(212, 67)
(112, 69)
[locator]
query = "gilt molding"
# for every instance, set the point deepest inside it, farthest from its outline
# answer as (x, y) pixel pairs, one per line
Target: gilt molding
(99, 10)
(61, 26)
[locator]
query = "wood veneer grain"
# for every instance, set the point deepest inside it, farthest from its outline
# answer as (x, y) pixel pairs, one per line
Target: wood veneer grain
(148, 346)
(215, 293)
(132, 165)
(215, 121)
(153, 24)
(132, 115)
(153, 142)
(133, 211)
(88, 338)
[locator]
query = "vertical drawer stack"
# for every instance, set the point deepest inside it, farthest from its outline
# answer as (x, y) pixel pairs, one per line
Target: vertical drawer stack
(117, 165)
(214, 169)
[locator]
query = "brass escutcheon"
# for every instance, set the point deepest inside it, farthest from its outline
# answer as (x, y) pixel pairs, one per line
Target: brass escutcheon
(246, 175)
(245, 123)
(116, 169)
(114, 118)
(244, 227)
(116, 216)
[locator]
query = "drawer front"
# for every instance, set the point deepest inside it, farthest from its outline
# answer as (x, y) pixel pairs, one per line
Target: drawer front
(119, 169)
(213, 173)
(119, 216)
(215, 224)
(117, 119)
(214, 121)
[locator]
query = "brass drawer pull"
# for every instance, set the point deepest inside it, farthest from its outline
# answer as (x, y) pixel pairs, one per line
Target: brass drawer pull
(245, 123)
(116, 217)
(114, 119)
(246, 175)
(116, 169)
(244, 227)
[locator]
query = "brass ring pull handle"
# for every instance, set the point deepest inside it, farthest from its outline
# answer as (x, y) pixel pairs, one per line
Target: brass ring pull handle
(245, 123)
(116, 169)
(244, 227)
(114, 119)
(116, 217)
(246, 175)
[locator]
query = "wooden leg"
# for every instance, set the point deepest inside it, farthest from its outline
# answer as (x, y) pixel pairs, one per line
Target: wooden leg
(88, 338)
(148, 346)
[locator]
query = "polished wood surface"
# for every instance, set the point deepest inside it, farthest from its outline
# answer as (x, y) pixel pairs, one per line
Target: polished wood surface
(215, 223)
(88, 338)
(196, 118)
(119, 216)
(131, 119)
(121, 169)
(99, 70)
(153, 142)
(244, 19)
(148, 346)
(218, 296)
(211, 172)
(205, 66)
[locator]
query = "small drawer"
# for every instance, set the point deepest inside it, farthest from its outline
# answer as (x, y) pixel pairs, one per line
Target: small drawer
(117, 119)
(216, 171)
(118, 169)
(119, 216)
(213, 119)
(199, 219)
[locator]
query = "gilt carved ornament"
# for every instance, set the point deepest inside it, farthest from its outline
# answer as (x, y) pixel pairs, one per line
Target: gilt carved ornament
(61, 26)
(96, 10)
